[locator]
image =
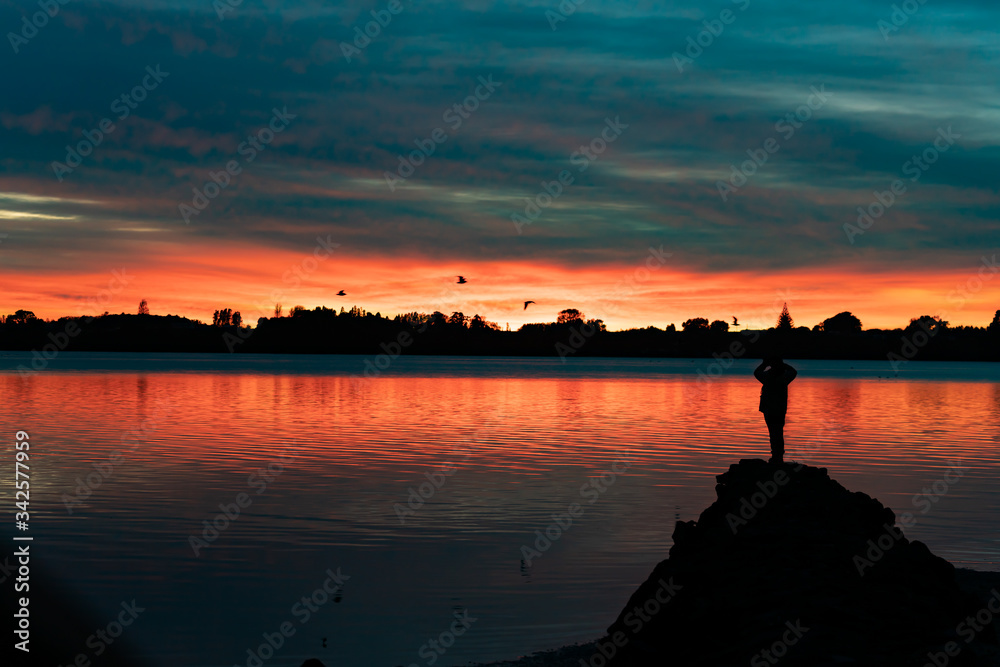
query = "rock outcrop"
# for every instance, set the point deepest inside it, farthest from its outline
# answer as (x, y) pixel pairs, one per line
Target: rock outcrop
(789, 567)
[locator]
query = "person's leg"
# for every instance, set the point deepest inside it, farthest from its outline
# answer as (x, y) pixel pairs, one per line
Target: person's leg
(778, 448)
(775, 429)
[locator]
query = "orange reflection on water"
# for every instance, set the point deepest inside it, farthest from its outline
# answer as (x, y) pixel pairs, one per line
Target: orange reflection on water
(502, 445)
(878, 430)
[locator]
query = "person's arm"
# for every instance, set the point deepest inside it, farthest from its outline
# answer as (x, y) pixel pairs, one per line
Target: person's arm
(790, 374)
(759, 372)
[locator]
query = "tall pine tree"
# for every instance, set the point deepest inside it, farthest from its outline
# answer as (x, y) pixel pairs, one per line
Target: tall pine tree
(785, 320)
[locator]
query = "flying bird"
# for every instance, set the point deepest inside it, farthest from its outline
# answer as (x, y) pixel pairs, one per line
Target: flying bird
(526, 304)
(735, 323)
(341, 293)
(462, 280)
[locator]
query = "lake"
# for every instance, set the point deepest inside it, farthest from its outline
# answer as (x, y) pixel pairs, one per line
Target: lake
(422, 487)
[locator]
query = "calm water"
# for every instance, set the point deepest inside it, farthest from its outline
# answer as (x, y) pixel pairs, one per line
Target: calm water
(524, 435)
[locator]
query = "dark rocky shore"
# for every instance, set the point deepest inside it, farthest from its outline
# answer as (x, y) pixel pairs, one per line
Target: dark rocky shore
(789, 567)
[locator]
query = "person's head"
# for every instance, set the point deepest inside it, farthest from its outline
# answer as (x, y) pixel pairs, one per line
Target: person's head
(773, 361)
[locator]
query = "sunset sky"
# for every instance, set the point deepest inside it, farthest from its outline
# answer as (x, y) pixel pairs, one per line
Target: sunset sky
(675, 116)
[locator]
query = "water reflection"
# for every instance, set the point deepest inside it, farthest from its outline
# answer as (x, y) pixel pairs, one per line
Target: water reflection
(522, 445)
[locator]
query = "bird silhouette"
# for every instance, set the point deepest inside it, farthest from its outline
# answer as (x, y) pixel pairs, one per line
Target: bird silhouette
(461, 280)
(735, 323)
(526, 304)
(341, 293)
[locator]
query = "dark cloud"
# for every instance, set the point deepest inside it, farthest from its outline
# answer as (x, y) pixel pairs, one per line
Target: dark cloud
(657, 182)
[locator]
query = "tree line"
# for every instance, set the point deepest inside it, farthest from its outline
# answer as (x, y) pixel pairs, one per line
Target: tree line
(356, 331)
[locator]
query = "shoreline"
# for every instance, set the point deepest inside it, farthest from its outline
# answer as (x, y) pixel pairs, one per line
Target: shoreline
(982, 583)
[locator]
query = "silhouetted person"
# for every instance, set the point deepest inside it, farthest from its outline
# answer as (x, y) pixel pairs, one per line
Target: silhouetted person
(775, 375)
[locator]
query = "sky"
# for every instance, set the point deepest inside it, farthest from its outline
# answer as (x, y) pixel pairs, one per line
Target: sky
(644, 164)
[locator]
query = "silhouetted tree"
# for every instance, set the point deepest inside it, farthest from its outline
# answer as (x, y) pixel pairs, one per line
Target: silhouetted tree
(143, 307)
(994, 327)
(785, 320)
(322, 330)
(414, 319)
(932, 323)
(299, 311)
(569, 315)
(719, 326)
(277, 310)
(21, 317)
(842, 323)
(478, 322)
(222, 318)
